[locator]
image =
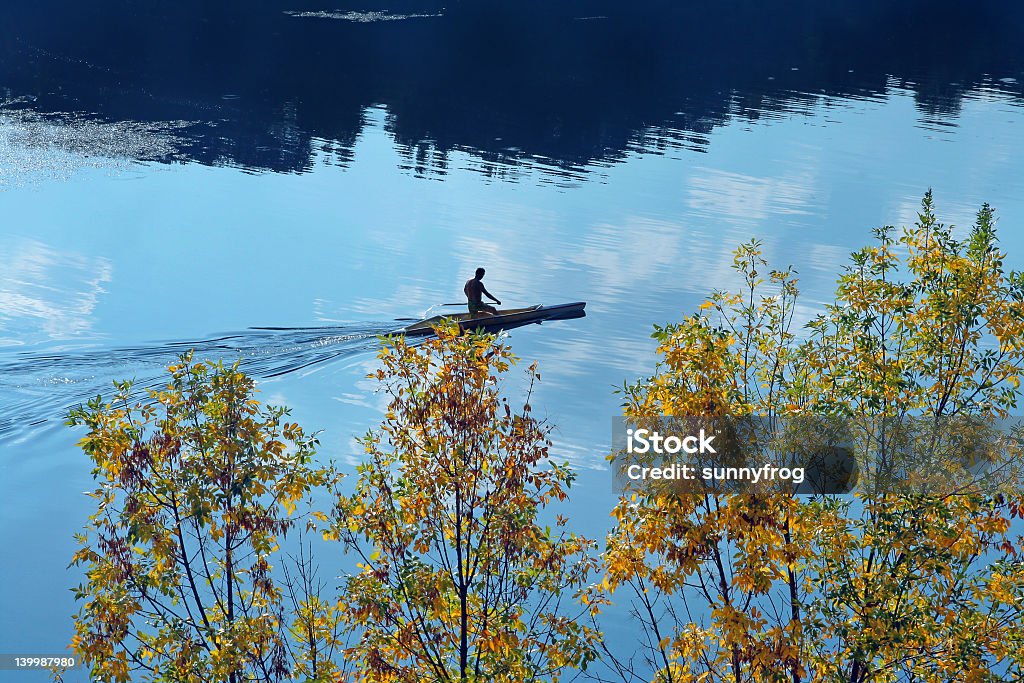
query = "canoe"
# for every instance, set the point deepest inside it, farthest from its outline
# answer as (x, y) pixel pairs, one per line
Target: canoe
(503, 320)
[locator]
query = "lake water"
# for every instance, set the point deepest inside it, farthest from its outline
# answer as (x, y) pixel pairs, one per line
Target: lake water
(173, 176)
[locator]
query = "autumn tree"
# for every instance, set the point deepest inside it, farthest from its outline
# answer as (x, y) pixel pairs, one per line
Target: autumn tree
(904, 582)
(713, 577)
(919, 578)
(196, 485)
(459, 578)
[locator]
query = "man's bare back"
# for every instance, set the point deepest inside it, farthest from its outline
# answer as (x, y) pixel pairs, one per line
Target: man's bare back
(475, 293)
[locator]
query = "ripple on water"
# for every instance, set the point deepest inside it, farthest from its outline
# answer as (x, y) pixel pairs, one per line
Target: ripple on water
(38, 388)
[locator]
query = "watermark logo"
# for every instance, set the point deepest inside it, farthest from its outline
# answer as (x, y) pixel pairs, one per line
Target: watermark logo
(647, 441)
(815, 455)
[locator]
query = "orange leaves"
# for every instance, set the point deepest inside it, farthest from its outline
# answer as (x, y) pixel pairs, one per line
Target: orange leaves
(193, 491)
(444, 520)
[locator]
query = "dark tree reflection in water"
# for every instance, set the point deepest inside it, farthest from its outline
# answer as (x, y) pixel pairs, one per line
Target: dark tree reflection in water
(565, 86)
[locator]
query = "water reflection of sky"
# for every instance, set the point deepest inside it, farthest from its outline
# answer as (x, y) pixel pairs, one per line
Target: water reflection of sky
(115, 255)
(47, 293)
(104, 253)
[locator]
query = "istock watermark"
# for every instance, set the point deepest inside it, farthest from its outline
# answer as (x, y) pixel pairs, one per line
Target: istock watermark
(812, 455)
(645, 441)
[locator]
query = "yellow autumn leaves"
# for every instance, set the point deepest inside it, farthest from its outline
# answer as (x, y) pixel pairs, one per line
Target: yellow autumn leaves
(915, 579)
(458, 580)
(194, 488)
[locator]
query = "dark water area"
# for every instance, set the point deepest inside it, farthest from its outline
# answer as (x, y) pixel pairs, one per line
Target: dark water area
(564, 86)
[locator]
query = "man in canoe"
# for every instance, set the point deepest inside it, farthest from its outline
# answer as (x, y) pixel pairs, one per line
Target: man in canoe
(475, 292)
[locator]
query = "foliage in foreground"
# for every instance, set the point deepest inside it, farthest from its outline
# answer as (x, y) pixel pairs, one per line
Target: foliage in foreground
(194, 489)
(459, 580)
(911, 583)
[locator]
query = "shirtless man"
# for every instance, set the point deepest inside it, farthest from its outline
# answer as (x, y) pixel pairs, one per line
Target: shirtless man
(475, 291)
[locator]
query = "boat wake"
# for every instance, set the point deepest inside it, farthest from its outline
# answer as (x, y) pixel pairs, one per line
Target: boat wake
(37, 387)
